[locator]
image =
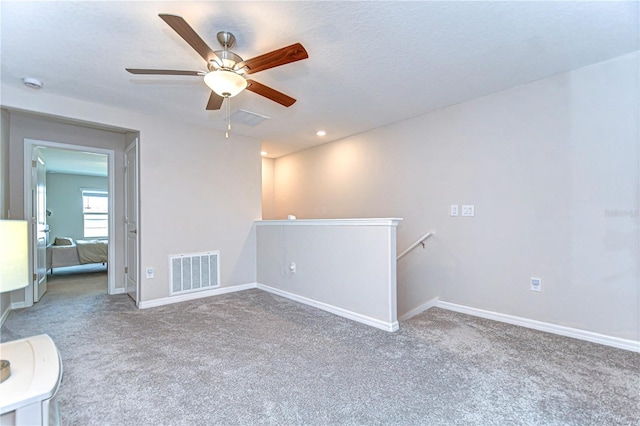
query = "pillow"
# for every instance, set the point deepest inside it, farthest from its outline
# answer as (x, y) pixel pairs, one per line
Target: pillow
(64, 241)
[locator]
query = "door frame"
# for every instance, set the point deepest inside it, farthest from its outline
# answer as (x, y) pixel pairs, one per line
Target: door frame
(39, 272)
(133, 146)
(29, 146)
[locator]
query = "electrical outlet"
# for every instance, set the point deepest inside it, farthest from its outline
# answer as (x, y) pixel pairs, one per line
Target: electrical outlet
(536, 284)
(149, 272)
(453, 210)
(468, 210)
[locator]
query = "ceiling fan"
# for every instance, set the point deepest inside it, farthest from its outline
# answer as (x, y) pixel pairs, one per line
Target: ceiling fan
(226, 75)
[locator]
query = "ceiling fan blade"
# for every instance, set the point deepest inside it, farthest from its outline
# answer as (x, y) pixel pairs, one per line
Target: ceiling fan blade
(215, 101)
(270, 93)
(183, 29)
(286, 55)
(163, 72)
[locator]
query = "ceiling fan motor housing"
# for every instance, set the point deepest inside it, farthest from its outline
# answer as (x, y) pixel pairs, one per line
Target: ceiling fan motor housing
(226, 39)
(229, 59)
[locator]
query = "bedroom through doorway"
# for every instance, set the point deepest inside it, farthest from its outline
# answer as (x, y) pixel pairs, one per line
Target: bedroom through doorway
(77, 211)
(70, 200)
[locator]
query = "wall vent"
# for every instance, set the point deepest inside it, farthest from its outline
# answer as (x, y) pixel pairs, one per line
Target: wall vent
(247, 118)
(194, 272)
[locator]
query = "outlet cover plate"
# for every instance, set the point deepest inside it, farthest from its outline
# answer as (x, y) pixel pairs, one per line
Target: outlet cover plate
(468, 210)
(536, 284)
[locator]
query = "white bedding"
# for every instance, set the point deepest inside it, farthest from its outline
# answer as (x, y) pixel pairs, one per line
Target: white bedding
(78, 253)
(92, 251)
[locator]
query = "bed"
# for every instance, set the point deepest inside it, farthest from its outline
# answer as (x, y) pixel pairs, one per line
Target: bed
(67, 252)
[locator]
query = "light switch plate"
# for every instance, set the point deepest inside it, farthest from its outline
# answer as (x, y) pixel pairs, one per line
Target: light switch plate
(468, 210)
(453, 210)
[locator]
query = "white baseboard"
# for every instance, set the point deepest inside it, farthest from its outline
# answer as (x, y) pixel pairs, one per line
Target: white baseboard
(194, 295)
(5, 315)
(616, 342)
(20, 305)
(382, 325)
(415, 311)
(13, 306)
(120, 290)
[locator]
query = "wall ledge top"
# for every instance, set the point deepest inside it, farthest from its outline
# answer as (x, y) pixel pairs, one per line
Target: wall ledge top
(393, 221)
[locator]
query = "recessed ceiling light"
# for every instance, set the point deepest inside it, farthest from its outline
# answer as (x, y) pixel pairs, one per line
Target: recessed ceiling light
(34, 83)
(264, 153)
(321, 133)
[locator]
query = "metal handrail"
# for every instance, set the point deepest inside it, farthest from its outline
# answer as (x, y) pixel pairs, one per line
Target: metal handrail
(414, 245)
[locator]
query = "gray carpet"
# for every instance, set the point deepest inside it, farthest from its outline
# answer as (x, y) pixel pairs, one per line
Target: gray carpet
(254, 358)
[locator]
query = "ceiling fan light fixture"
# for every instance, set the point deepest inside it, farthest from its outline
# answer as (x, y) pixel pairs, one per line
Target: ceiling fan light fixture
(225, 70)
(225, 83)
(242, 70)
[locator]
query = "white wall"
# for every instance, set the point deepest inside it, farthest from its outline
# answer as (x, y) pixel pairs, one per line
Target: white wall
(4, 163)
(5, 298)
(552, 169)
(64, 201)
(347, 266)
(198, 191)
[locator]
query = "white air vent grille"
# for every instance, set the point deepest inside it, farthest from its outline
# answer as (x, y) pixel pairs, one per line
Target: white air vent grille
(247, 118)
(194, 272)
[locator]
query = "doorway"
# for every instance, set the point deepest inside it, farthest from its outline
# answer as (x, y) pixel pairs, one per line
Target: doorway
(95, 224)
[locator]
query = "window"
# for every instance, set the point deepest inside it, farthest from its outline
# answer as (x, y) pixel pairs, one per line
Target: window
(95, 209)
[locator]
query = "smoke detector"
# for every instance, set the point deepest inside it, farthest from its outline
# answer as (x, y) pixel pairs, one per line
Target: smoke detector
(34, 83)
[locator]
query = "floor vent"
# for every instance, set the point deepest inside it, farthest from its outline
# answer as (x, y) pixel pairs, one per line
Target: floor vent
(194, 272)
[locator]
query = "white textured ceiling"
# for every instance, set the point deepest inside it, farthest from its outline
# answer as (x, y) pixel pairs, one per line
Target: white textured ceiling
(370, 63)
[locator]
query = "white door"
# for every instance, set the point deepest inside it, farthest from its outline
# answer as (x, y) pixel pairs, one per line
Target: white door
(131, 220)
(39, 224)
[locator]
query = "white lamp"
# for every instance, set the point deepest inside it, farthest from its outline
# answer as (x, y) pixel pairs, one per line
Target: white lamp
(14, 265)
(225, 83)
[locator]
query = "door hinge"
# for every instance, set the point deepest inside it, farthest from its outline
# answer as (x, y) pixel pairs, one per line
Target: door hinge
(34, 163)
(35, 277)
(126, 269)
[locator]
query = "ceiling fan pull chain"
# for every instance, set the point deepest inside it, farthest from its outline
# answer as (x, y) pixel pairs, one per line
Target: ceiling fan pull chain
(228, 117)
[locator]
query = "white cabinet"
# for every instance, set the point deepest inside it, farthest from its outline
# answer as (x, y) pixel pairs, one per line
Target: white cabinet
(27, 396)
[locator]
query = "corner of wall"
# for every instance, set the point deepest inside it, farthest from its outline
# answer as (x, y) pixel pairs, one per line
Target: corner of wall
(268, 188)
(5, 307)
(5, 298)
(4, 163)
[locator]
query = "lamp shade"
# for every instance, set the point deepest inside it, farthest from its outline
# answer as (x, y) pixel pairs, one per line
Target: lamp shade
(14, 255)
(225, 83)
